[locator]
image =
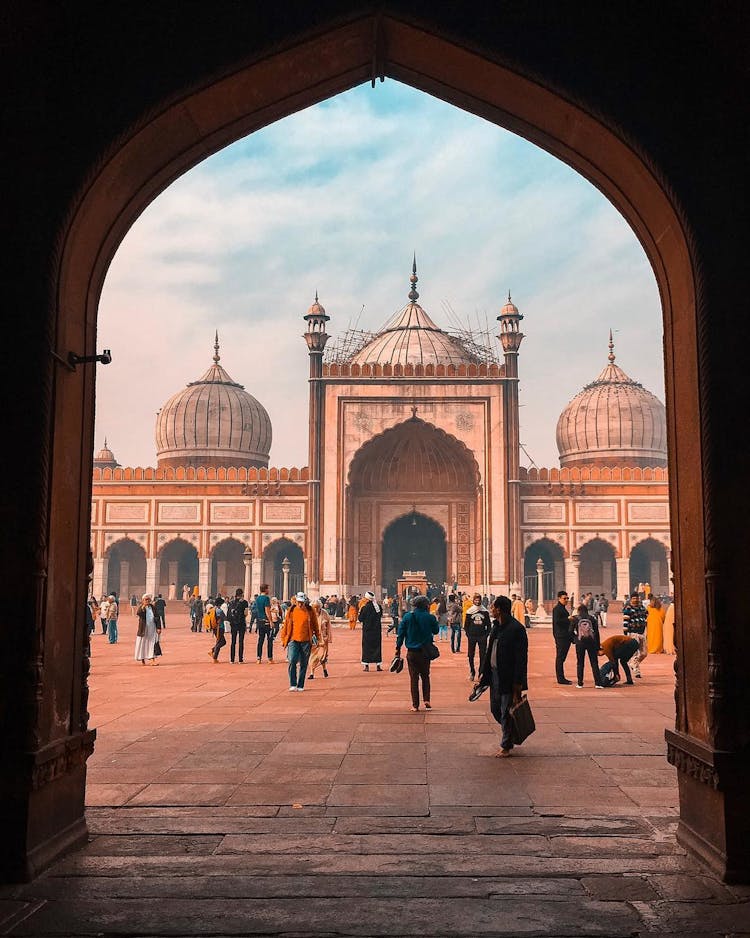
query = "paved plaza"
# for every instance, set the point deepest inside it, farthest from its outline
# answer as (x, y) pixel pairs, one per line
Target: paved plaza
(221, 804)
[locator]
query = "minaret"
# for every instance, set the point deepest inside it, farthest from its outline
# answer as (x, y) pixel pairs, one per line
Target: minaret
(316, 338)
(511, 337)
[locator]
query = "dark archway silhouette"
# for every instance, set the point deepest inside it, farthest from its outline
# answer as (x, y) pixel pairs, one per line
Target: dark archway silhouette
(553, 557)
(227, 567)
(178, 564)
(649, 564)
(273, 571)
(597, 573)
(413, 542)
(126, 569)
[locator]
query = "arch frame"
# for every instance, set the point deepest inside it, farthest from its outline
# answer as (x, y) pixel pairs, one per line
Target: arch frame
(124, 183)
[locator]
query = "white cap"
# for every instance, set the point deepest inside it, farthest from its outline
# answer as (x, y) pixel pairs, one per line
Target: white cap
(300, 597)
(370, 595)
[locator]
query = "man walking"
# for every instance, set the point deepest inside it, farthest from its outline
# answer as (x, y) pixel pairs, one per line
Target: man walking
(263, 625)
(634, 617)
(237, 615)
(454, 621)
(160, 606)
(297, 633)
(477, 627)
(561, 635)
(505, 667)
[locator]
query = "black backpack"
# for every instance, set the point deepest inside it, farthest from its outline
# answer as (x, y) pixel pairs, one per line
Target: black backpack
(235, 613)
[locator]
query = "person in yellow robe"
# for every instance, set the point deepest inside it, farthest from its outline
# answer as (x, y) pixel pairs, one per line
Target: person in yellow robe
(655, 627)
(669, 648)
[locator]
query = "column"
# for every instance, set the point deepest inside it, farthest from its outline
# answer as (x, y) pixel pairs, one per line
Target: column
(174, 567)
(247, 559)
(124, 580)
(655, 579)
(204, 576)
(511, 337)
(623, 576)
(540, 582)
(316, 339)
(285, 567)
(152, 573)
(221, 575)
(257, 575)
(572, 568)
(99, 580)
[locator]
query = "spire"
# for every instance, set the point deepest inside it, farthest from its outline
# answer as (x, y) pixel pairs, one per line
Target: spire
(611, 355)
(509, 299)
(105, 443)
(413, 295)
(217, 357)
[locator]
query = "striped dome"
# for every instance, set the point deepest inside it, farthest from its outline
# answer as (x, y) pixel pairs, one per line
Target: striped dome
(213, 422)
(613, 421)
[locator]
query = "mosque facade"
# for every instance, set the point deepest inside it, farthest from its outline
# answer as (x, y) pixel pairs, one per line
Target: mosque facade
(413, 465)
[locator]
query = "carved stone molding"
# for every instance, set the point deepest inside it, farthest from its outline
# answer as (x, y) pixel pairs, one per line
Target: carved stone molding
(61, 758)
(690, 764)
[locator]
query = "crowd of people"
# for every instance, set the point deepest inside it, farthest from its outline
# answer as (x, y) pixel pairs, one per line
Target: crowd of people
(495, 628)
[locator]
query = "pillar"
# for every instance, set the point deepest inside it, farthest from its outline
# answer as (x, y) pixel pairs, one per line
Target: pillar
(511, 337)
(99, 579)
(540, 582)
(124, 580)
(572, 570)
(152, 574)
(247, 559)
(174, 568)
(204, 576)
(316, 338)
(221, 575)
(256, 568)
(285, 567)
(623, 576)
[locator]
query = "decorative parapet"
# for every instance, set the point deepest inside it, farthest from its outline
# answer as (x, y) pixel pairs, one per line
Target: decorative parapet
(595, 474)
(200, 474)
(348, 370)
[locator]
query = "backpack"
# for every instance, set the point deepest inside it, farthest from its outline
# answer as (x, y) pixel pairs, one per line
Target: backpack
(585, 628)
(235, 613)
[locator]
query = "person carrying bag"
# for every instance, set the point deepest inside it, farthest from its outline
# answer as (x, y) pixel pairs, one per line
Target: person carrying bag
(415, 631)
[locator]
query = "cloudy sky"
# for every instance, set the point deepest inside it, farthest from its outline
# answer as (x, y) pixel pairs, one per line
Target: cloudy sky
(336, 199)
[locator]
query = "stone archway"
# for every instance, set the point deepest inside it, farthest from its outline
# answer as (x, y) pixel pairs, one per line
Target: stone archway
(648, 563)
(178, 565)
(553, 558)
(418, 469)
(413, 542)
(227, 567)
(126, 569)
(273, 571)
(168, 125)
(598, 572)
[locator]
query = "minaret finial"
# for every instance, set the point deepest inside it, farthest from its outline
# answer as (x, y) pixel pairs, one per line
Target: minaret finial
(413, 295)
(105, 443)
(217, 357)
(316, 296)
(509, 299)
(611, 355)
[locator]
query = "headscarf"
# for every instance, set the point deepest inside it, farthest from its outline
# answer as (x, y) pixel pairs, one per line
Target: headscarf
(371, 596)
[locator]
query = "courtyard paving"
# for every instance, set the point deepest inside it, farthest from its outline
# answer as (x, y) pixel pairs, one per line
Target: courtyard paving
(221, 804)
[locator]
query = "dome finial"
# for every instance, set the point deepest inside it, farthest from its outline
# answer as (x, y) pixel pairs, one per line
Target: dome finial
(611, 355)
(413, 295)
(217, 357)
(105, 443)
(509, 299)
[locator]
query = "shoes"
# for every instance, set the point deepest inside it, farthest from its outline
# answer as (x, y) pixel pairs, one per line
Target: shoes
(564, 681)
(415, 709)
(638, 676)
(503, 754)
(599, 686)
(378, 668)
(310, 677)
(300, 689)
(270, 660)
(365, 667)
(258, 660)
(292, 688)
(579, 685)
(629, 682)
(325, 673)
(427, 706)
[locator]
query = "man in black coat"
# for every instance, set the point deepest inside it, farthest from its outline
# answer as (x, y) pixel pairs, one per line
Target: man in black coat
(562, 635)
(504, 667)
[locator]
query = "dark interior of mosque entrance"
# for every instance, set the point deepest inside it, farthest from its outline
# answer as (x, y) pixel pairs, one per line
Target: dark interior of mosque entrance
(413, 542)
(178, 564)
(126, 569)
(273, 571)
(648, 564)
(551, 555)
(227, 567)
(598, 572)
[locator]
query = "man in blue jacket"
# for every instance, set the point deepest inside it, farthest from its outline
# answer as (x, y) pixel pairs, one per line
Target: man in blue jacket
(415, 631)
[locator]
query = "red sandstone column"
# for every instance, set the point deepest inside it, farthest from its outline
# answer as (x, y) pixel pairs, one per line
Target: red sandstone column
(511, 338)
(316, 338)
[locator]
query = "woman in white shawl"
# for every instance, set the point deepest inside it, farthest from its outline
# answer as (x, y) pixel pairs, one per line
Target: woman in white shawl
(148, 633)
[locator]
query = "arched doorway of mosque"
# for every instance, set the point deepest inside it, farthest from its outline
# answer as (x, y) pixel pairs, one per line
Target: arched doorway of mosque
(413, 472)
(126, 569)
(178, 565)
(649, 564)
(553, 577)
(413, 542)
(274, 557)
(227, 567)
(598, 571)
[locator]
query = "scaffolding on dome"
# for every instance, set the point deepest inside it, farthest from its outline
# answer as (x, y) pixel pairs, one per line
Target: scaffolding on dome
(479, 342)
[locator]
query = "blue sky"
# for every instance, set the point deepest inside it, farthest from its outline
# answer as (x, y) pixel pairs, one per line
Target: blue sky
(336, 199)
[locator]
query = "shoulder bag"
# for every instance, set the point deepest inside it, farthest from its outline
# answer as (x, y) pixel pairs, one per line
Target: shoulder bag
(522, 723)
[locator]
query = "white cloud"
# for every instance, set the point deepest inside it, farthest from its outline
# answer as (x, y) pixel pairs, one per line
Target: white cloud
(336, 198)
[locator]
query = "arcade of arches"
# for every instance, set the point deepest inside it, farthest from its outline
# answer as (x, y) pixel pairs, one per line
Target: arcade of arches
(182, 113)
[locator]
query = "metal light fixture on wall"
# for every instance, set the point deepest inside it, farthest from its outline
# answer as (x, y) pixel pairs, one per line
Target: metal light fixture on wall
(414, 516)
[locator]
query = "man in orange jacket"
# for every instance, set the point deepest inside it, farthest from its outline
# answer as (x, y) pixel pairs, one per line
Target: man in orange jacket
(299, 631)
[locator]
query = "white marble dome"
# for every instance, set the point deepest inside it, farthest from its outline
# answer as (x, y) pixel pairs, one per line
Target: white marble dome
(613, 421)
(213, 422)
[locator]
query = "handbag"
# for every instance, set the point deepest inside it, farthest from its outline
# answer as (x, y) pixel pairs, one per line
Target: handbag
(431, 650)
(522, 723)
(157, 649)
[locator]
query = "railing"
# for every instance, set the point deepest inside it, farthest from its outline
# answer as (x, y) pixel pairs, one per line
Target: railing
(531, 586)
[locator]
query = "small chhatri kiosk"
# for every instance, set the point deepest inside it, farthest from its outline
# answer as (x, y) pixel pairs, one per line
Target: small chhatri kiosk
(410, 583)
